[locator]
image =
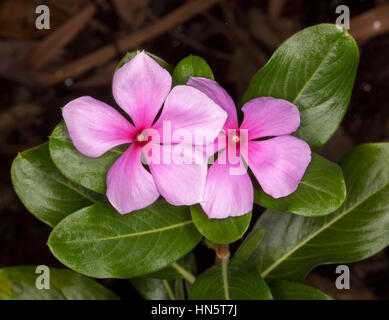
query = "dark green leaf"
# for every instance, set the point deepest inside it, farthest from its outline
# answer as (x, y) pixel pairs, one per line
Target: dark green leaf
(44, 191)
(220, 230)
(321, 191)
(173, 271)
(286, 290)
(88, 172)
(154, 289)
(179, 289)
(233, 281)
(314, 69)
(248, 246)
(191, 66)
(99, 242)
(160, 285)
(19, 283)
(130, 55)
(292, 245)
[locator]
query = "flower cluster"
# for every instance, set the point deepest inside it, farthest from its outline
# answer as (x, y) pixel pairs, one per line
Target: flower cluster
(197, 120)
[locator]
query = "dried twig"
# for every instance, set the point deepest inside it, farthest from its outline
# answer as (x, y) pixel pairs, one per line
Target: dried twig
(237, 34)
(221, 27)
(274, 10)
(197, 45)
(371, 23)
(200, 47)
(18, 116)
(55, 41)
(132, 41)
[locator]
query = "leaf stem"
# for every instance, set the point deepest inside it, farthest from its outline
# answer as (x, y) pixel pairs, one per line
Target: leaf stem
(224, 264)
(168, 290)
(222, 252)
(185, 273)
(223, 257)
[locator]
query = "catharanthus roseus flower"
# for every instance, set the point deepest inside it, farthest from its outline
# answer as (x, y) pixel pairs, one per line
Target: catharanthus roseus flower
(278, 163)
(140, 87)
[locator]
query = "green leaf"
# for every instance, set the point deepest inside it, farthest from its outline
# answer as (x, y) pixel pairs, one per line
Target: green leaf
(233, 281)
(129, 55)
(191, 66)
(247, 247)
(179, 289)
(99, 242)
(220, 230)
(174, 271)
(19, 283)
(154, 289)
(314, 69)
(88, 172)
(321, 191)
(43, 190)
(160, 285)
(293, 245)
(286, 290)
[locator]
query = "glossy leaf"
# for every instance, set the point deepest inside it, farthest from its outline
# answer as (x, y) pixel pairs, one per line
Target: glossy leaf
(88, 172)
(293, 245)
(314, 69)
(220, 230)
(321, 191)
(286, 290)
(154, 289)
(19, 283)
(99, 242)
(249, 244)
(191, 66)
(232, 281)
(174, 271)
(129, 55)
(43, 190)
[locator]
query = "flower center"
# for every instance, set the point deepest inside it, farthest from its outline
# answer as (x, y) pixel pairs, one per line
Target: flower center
(235, 139)
(140, 138)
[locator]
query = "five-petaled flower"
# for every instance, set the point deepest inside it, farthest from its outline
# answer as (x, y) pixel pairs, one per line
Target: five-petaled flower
(140, 87)
(278, 163)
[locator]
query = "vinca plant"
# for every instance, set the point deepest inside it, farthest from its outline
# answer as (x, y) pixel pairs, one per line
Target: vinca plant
(130, 190)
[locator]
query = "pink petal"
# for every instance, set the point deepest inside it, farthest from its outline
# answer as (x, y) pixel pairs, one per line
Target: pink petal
(95, 127)
(220, 96)
(216, 146)
(129, 185)
(267, 116)
(279, 164)
(180, 181)
(227, 195)
(190, 111)
(140, 87)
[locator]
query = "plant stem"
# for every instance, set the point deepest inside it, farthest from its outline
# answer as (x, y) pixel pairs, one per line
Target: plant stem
(185, 273)
(223, 257)
(224, 263)
(222, 253)
(168, 290)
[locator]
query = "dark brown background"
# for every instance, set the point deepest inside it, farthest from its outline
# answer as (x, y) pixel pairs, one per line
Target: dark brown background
(39, 75)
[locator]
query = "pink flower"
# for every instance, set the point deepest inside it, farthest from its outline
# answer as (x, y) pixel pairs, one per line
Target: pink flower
(140, 87)
(278, 163)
